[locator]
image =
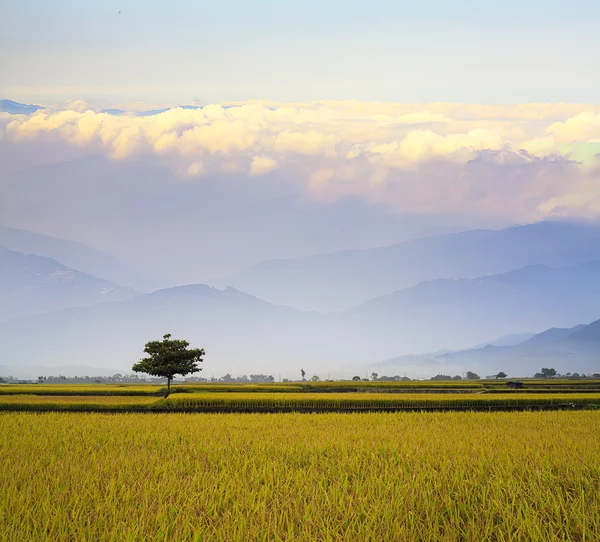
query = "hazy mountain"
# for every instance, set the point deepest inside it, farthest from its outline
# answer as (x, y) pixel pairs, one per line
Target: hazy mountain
(32, 284)
(16, 108)
(457, 313)
(575, 349)
(342, 279)
(245, 334)
(508, 340)
(239, 332)
(74, 255)
(153, 112)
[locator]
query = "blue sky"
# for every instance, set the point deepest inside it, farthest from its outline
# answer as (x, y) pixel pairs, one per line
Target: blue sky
(469, 51)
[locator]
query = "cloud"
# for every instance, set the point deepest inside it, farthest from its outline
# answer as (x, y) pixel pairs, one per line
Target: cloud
(261, 165)
(582, 127)
(320, 178)
(434, 157)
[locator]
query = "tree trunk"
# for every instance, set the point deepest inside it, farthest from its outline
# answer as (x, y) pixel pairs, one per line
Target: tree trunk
(168, 386)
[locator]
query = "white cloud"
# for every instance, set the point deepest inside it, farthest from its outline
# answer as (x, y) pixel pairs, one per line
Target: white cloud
(412, 156)
(320, 179)
(582, 127)
(261, 165)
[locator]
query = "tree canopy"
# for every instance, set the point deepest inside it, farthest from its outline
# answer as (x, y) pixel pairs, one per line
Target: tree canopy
(548, 372)
(168, 358)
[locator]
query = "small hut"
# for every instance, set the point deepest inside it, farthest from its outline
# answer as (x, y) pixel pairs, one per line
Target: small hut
(514, 384)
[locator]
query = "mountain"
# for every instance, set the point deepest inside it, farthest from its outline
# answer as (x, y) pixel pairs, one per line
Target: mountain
(508, 340)
(35, 284)
(243, 334)
(575, 349)
(456, 313)
(153, 112)
(339, 280)
(75, 255)
(239, 332)
(16, 108)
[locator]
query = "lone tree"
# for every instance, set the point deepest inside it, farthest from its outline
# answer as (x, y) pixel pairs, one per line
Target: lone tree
(303, 373)
(168, 358)
(501, 374)
(548, 373)
(472, 376)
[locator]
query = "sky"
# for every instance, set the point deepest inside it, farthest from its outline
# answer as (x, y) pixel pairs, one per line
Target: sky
(319, 126)
(322, 125)
(157, 52)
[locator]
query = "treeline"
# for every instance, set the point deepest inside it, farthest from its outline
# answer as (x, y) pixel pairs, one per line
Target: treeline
(136, 379)
(545, 373)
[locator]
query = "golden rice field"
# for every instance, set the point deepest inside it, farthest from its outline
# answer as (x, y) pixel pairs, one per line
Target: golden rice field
(371, 400)
(458, 476)
(78, 389)
(67, 401)
(421, 386)
(289, 402)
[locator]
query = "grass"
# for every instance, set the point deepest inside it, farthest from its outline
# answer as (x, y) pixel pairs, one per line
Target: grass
(525, 476)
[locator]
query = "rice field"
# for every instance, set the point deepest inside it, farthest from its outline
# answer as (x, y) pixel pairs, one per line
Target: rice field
(66, 402)
(78, 389)
(456, 476)
(291, 401)
(301, 402)
(420, 386)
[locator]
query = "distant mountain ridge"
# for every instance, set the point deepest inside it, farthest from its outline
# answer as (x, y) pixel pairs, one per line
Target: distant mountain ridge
(575, 349)
(16, 108)
(340, 280)
(455, 313)
(31, 284)
(243, 331)
(73, 254)
(236, 329)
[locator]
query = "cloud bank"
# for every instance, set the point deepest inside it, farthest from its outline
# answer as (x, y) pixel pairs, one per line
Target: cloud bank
(532, 160)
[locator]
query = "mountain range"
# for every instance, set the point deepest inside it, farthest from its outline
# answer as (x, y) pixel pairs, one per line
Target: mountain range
(340, 280)
(56, 314)
(575, 349)
(31, 284)
(247, 333)
(238, 331)
(74, 255)
(457, 313)
(16, 108)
